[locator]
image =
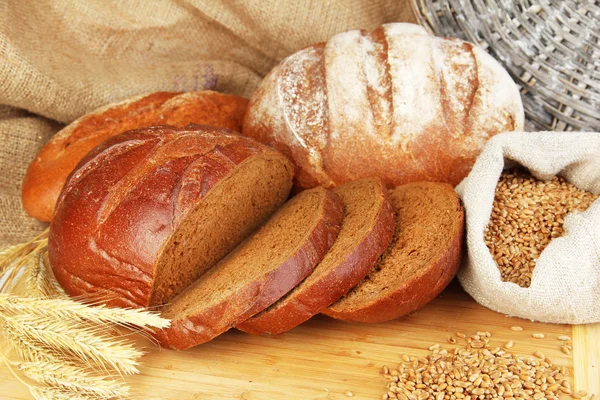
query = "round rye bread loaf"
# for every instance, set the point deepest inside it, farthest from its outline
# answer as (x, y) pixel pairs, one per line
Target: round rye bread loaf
(395, 103)
(267, 265)
(367, 229)
(419, 263)
(48, 172)
(147, 212)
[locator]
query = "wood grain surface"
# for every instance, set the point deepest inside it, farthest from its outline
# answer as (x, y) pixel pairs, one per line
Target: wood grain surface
(324, 358)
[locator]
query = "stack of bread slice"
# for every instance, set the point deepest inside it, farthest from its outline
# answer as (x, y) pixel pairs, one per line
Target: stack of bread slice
(195, 220)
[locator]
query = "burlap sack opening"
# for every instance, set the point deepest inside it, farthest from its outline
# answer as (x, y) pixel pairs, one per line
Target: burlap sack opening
(61, 59)
(565, 286)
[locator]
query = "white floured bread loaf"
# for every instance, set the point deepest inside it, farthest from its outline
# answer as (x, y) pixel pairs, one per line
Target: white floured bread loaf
(395, 103)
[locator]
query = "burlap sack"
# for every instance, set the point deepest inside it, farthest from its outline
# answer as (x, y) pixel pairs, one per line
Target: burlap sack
(60, 59)
(565, 286)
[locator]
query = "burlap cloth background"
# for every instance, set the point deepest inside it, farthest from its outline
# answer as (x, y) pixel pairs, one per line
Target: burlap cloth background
(60, 59)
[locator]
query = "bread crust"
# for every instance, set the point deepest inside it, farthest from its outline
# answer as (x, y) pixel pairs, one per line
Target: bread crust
(418, 291)
(257, 295)
(48, 172)
(302, 305)
(394, 103)
(127, 197)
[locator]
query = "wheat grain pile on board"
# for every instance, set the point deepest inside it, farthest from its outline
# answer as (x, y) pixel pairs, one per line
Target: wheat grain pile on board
(487, 370)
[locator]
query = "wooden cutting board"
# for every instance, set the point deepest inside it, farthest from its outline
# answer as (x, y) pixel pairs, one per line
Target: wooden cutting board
(324, 358)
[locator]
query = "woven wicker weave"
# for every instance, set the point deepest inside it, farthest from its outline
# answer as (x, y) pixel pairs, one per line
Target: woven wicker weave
(550, 47)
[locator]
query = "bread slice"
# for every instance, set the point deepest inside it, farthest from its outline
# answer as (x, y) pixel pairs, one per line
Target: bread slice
(258, 272)
(421, 260)
(367, 230)
(147, 212)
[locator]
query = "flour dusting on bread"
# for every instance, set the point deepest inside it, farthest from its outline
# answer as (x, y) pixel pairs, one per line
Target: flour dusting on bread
(415, 86)
(301, 88)
(397, 103)
(349, 108)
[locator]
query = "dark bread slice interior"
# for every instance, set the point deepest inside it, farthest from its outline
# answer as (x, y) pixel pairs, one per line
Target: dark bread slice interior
(367, 229)
(232, 210)
(421, 260)
(148, 211)
(258, 272)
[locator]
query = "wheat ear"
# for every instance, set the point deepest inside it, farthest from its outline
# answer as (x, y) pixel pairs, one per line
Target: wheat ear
(66, 349)
(73, 378)
(24, 259)
(94, 346)
(60, 372)
(53, 393)
(30, 350)
(64, 309)
(7, 255)
(38, 281)
(16, 253)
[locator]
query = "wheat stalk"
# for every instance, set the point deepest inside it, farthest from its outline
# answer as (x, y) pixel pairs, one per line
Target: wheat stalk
(53, 393)
(88, 344)
(61, 309)
(35, 277)
(60, 370)
(29, 350)
(6, 254)
(22, 259)
(67, 349)
(73, 378)
(39, 283)
(19, 252)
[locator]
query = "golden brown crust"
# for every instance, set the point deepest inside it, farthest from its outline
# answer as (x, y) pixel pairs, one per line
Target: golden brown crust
(417, 292)
(394, 103)
(48, 171)
(254, 296)
(128, 195)
(354, 266)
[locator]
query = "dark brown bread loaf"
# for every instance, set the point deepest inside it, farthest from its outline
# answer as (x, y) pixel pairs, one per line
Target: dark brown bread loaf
(367, 229)
(47, 173)
(421, 260)
(145, 213)
(395, 103)
(257, 273)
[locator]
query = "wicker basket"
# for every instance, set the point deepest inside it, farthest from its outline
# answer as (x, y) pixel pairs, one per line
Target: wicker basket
(550, 47)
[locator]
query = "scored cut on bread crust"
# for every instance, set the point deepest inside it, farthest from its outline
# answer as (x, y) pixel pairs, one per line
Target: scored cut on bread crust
(420, 262)
(258, 272)
(367, 229)
(148, 211)
(48, 172)
(396, 103)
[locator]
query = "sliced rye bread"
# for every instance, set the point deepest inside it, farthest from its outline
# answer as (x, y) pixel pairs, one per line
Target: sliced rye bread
(258, 272)
(367, 230)
(147, 212)
(421, 260)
